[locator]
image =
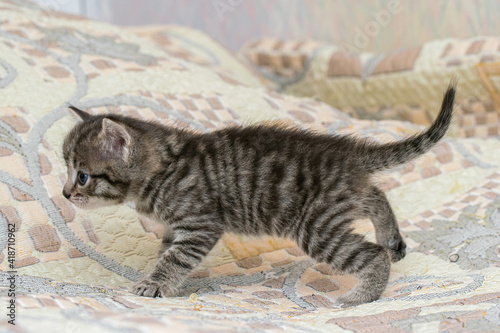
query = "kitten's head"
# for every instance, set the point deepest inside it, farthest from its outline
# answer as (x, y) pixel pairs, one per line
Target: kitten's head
(97, 154)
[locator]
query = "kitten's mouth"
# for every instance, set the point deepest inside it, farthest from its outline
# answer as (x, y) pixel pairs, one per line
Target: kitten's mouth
(87, 203)
(78, 200)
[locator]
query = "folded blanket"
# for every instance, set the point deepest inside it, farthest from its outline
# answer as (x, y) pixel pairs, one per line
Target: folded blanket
(402, 84)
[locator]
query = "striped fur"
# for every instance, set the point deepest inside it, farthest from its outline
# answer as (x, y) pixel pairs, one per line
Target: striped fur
(254, 180)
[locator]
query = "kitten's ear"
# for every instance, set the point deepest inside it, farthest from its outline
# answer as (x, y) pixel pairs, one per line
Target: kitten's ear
(115, 139)
(80, 114)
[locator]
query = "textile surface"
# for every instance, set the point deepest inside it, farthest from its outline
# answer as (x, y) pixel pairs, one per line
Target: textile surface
(357, 25)
(404, 84)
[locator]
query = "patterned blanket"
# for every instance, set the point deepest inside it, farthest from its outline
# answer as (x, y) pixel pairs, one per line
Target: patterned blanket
(403, 84)
(68, 270)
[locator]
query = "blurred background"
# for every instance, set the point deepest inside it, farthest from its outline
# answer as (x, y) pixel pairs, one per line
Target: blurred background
(369, 26)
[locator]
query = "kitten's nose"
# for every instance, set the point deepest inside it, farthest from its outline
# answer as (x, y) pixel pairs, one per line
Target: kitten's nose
(66, 194)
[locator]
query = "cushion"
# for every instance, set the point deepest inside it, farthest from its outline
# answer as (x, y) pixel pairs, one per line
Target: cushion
(403, 84)
(74, 267)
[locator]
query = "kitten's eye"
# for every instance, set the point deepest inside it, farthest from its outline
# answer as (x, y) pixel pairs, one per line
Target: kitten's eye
(82, 178)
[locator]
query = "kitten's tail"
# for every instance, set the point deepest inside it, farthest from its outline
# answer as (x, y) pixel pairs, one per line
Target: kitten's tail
(388, 155)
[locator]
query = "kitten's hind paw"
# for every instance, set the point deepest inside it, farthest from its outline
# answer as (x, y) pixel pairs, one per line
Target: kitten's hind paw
(344, 303)
(356, 296)
(149, 288)
(397, 249)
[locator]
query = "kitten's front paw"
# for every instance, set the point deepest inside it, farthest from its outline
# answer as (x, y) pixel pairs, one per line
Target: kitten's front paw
(150, 288)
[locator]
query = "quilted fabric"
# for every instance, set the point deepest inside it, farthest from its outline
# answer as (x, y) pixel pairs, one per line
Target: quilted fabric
(75, 266)
(405, 84)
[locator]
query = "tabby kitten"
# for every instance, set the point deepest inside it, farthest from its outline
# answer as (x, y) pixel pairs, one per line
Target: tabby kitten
(255, 180)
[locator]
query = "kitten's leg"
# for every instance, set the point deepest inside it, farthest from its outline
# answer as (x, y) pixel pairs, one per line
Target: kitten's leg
(350, 253)
(378, 209)
(370, 263)
(167, 240)
(185, 253)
